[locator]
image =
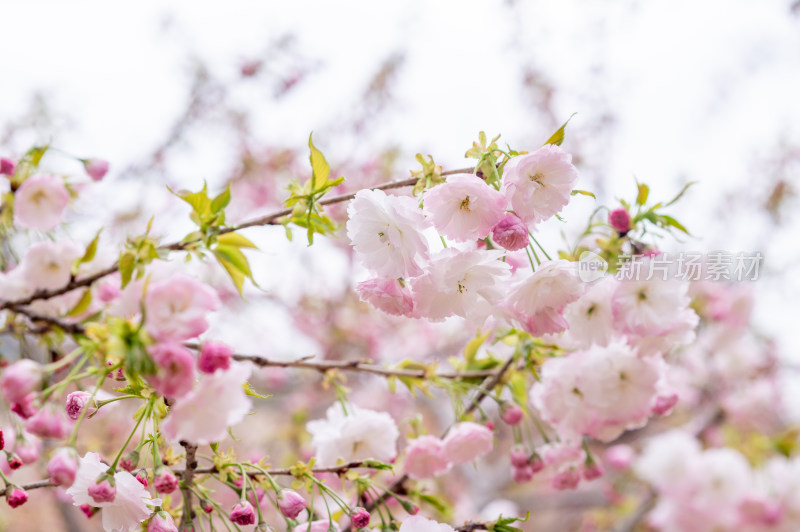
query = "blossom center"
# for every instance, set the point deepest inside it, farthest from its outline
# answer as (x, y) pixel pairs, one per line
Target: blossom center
(465, 204)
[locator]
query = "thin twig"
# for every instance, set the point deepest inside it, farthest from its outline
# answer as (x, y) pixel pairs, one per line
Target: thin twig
(187, 480)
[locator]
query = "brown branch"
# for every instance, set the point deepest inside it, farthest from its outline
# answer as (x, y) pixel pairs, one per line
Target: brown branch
(269, 219)
(46, 483)
(338, 469)
(187, 479)
(360, 366)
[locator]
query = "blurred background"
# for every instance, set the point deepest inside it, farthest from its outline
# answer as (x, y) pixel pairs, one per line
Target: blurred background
(172, 93)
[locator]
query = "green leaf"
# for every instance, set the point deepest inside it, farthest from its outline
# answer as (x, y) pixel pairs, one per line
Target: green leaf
(582, 193)
(83, 304)
(248, 390)
(221, 201)
(644, 191)
(434, 501)
(681, 193)
(558, 137)
(376, 464)
(235, 240)
(235, 263)
(472, 347)
(672, 222)
(127, 261)
(200, 202)
(319, 166)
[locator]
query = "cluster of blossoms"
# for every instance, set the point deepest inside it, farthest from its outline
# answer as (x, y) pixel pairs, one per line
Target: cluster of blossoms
(585, 362)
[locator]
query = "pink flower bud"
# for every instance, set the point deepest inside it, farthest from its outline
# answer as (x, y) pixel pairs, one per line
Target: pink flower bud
(88, 511)
(664, 404)
(161, 522)
(243, 514)
(467, 441)
(17, 497)
(175, 376)
(619, 456)
(76, 402)
(96, 168)
(25, 408)
(512, 415)
(7, 166)
(130, 462)
(359, 517)
(593, 470)
(523, 474)
(63, 467)
(47, 423)
(519, 457)
(207, 506)
(165, 481)
(20, 379)
(14, 461)
(2, 441)
(29, 450)
(537, 464)
(214, 356)
(291, 503)
(142, 480)
(510, 232)
(566, 480)
(102, 492)
(620, 220)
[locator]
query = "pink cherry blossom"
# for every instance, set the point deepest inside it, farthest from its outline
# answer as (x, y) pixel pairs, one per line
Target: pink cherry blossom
(389, 295)
(359, 517)
(214, 356)
(386, 233)
(467, 441)
(217, 402)
(40, 201)
(510, 232)
(130, 505)
(20, 379)
(536, 301)
(357, 434)
(175, 373)
(102, 491)
(464, 208)
(417, 523)
(463, 283)
(425, 458)
(653, 308)
(63, 467)
(539, 184)
(177, 308)
(512, 414)
(48, 265)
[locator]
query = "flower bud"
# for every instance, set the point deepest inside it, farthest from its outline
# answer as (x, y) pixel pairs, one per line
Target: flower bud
(593, 470)
(20, 379)
(2, 441)
(130, 462)
(359, 517)
(7, 166)
(161, 522)
(17, 497)
(523, 474)
(14, 461)
(243, 514)
(519, 457)
(63, 467)
(620, 220)
(619, 456)
(88, 511)
(214, 356)
(566, 480)
(102, 491)
(76, 402)
(512, 415)
(510, 232)
(291, 503)
(46, 423)
(25, 408)
(96, 168)
(165, 481)
(664, 404)
(142, 480)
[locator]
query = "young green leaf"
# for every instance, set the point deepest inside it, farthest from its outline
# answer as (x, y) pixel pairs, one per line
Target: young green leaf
(558, 137)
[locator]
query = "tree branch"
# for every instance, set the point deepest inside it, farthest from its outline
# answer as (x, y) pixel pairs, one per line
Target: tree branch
(187, 479)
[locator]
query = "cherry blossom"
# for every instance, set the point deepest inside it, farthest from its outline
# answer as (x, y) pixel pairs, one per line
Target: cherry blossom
(464, 208)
